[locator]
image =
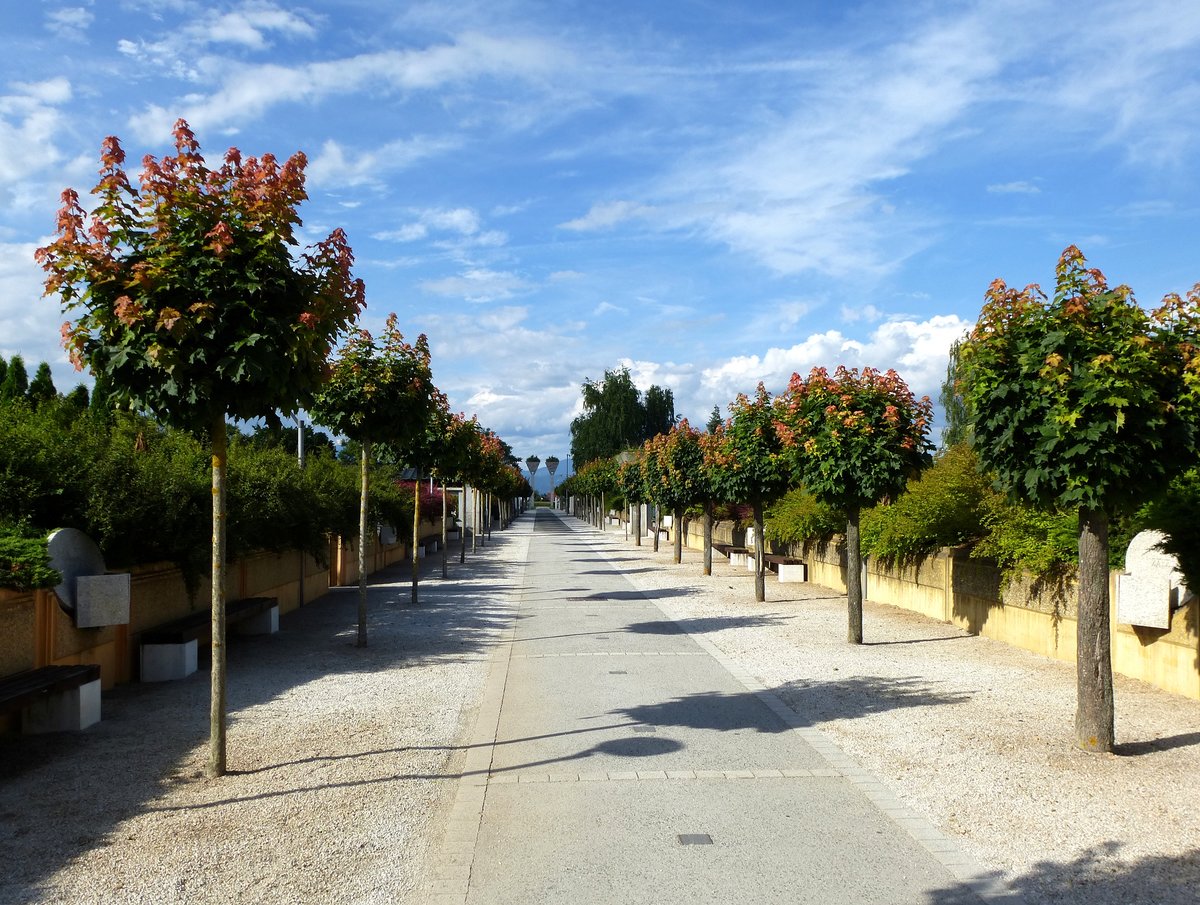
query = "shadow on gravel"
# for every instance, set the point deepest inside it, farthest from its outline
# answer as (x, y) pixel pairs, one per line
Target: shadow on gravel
(1158, 879)
(65, 793)
(812, 703)
(918, 640)
(1133, 749)
(701, 624)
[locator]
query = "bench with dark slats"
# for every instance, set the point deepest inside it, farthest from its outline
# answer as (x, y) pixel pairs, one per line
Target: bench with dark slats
(196, 625)
(53, 698)
(21, 689)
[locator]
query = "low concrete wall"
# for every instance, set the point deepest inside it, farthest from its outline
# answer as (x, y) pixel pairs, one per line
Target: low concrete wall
(952, 587)
(34, 630)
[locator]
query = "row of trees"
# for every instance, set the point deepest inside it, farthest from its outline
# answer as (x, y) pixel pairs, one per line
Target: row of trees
(190, 305)
(1081, 402)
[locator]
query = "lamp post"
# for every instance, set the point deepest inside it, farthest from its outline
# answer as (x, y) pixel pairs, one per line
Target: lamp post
(532, 464)
(552, 466)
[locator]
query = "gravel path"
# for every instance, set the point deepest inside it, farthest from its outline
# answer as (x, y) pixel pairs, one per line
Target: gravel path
(342, 760)
(975, 735)
(345, 760)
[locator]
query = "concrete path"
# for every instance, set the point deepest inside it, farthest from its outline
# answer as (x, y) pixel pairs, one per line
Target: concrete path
(618, 759)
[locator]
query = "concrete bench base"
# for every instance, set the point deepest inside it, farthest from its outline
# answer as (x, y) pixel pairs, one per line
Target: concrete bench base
(166, 662)
(66, 711)
(793, 572)
(264, 623)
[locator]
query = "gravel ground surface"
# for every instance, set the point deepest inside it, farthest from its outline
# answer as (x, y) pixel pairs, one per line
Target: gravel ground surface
(342, 760)
(975, 735)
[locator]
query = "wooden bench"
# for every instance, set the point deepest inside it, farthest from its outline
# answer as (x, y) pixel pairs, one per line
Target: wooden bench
(53, 698)
(170, 651)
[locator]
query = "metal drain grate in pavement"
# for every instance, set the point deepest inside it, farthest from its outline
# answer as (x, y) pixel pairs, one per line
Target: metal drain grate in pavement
(644, 729)
(618, 672)
(694, 839)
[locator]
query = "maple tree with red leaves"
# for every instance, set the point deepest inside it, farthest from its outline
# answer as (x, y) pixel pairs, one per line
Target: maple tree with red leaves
(187, 303)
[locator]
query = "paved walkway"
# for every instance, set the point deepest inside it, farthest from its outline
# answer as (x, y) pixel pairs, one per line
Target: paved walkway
(618, 759)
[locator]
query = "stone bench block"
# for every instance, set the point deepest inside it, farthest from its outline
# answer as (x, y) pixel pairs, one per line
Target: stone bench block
(66, 711)
(264, 623)
(793, 572)
(166, 662)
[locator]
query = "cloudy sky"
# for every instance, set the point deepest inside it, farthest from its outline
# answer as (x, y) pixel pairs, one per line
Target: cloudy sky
(710, 193)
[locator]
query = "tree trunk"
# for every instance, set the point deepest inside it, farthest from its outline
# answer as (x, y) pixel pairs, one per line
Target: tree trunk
(677, 524)
(445, 515)
(760, 578)
(364, 470)
(637, 524)
(854, 595)
(1093, 659)
(462, 524)
(216, 712)
(416, 537)
(656, 526)
(708, 532)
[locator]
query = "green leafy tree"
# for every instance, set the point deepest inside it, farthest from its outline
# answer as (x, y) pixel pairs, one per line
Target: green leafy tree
(714, 420)
(957, 428)
(659, 405)
(3, 375)
(629, 484)
(16, 380)
(615, 416)
(749, 467)
(681, 484)
(379, 390)
(851, 440)
(1085, 402)
(189, 305)
(41, 388)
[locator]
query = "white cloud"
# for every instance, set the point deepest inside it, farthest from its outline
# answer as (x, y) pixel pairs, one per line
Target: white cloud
(563, 275)
(247, 92)
(69, 22)
(477, 284)
(918, 350)
(605, 307)
(607, 214)
(1014, 188)
(334, 167)
(853, 313)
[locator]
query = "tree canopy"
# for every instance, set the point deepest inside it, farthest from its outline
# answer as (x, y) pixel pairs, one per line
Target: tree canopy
(616, 416)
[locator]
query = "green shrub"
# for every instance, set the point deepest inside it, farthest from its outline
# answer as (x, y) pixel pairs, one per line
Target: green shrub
(941, 508)
(1022, 539)
(24, 561)
(797, 517)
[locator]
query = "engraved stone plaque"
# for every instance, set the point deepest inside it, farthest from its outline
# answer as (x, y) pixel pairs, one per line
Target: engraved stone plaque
(1153, 585)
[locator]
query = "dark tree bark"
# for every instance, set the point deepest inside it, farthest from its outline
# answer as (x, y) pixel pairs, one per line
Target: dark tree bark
(1093, 659)
(677, 524)
(708, 534)
(854, 595)
(760, 578)
(216, 712)
(637, 524)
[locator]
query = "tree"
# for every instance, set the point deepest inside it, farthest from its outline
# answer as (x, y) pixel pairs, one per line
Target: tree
(659, 405)
(616, 418)
(16, 380)
(41, 388)
(851, 440)
(189, 305)
(1089, 403)
(629, 483)
(953, 405)
(680, 461)
(750, 467)
(714, 420)
(419, 449)
(378, 391)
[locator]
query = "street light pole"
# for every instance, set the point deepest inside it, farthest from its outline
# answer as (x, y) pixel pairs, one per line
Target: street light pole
(552, 466)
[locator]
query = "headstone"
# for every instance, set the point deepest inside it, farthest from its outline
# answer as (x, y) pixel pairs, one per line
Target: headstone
(91, 597)
(1152, 585)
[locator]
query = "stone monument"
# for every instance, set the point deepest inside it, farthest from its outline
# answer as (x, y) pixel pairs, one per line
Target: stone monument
(87, 593)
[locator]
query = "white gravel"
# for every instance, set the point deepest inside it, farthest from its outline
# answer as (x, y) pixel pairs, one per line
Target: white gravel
(975, 735)
(345, 761)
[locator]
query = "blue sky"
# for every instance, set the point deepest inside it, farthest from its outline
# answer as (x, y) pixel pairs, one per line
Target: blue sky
(711, 193)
